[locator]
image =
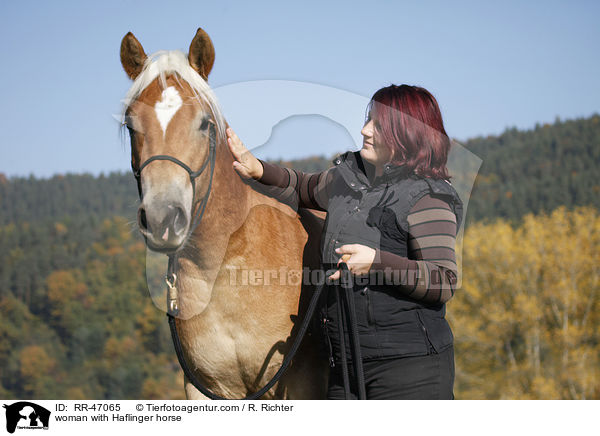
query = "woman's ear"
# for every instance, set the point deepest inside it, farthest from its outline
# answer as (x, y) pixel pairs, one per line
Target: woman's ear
(202, 54)
(132, 56)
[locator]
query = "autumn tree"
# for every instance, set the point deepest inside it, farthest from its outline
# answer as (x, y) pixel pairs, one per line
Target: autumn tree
(527, 318)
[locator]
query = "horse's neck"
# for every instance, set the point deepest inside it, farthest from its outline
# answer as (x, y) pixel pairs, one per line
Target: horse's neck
(230, 202)
(235, 212)
(228, 206)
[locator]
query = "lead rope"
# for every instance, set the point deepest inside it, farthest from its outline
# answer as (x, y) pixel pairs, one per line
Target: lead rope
(341, 333)
(349, 316)
(356, 354)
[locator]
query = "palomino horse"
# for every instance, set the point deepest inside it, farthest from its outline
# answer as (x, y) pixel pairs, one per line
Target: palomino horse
(234, 332)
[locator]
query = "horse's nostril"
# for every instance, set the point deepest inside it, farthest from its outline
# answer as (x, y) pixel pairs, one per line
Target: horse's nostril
(180, 221)
(142, 220)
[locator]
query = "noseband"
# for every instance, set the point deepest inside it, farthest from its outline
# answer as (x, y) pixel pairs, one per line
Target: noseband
(193, 175)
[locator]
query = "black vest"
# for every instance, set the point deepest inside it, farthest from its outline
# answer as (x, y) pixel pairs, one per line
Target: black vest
(375, 215)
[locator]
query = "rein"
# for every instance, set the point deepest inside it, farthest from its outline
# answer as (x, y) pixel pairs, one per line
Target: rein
(173, 305)
(348, 316)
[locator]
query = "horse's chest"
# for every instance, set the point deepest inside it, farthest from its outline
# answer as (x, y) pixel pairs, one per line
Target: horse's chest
(227, 352)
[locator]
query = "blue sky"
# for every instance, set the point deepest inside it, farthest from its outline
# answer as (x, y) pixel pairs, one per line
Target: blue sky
(491, 65)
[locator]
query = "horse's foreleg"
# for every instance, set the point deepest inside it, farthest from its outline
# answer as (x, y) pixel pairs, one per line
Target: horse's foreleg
(191, 392)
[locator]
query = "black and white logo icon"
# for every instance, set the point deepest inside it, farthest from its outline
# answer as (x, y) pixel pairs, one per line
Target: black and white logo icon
(26, 415)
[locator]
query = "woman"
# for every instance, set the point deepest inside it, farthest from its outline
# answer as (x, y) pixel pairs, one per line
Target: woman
(393, 215)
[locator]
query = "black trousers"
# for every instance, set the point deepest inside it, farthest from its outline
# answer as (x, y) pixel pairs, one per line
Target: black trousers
(429, 377)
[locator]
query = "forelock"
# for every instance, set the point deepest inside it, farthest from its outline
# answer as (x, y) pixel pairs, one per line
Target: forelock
(159, 65)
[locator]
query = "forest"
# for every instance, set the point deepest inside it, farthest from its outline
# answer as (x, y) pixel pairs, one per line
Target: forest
(77, 322)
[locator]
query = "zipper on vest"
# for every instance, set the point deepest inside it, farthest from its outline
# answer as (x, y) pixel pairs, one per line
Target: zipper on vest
(430, 346)
(325, 328)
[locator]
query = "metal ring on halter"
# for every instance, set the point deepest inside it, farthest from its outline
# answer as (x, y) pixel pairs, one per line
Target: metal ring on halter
(171, 280)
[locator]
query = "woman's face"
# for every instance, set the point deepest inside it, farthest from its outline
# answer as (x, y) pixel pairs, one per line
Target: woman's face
(372, 151)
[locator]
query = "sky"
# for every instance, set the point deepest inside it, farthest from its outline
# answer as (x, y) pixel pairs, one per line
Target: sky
(491, 66)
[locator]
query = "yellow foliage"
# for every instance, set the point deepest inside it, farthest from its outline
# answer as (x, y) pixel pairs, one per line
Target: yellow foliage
(60, 229)
(112, 348)
(152, 389)
(115, 349)
(526, 320)
(35, 360)
(76, 393)
(163, 388)
(35, 367)
(62, 287)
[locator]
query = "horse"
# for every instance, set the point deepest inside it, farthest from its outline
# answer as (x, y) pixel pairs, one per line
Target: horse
(234, 332)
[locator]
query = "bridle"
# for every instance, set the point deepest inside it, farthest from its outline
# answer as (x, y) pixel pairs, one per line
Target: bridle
(171, 278)
(212, 148)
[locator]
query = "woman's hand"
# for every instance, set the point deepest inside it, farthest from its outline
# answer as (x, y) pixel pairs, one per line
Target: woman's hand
(359, 259)
(244, 162)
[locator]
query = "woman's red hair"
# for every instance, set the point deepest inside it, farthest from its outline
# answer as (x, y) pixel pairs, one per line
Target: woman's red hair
(408, 121)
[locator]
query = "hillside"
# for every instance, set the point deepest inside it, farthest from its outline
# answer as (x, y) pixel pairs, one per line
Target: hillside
(537, 170)
(522, 171)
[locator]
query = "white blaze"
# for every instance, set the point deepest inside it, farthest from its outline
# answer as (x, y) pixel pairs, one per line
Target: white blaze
(167, 107)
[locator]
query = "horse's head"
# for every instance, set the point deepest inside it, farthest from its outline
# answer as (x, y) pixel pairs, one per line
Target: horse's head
(173, 119)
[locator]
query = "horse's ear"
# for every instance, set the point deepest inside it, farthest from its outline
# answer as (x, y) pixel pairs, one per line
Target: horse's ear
(132, 56)
(202, 54)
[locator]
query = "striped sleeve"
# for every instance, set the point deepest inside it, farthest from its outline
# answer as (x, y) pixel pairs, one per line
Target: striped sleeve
(308, 190)
(429, 273)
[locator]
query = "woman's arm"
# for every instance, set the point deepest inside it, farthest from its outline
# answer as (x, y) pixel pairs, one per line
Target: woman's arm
(299, 189)
(429, 273)
(308, 190)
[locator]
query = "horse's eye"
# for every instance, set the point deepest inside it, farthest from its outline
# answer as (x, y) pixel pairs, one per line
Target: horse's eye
(128, 123)
(206, 122)
(131, 130)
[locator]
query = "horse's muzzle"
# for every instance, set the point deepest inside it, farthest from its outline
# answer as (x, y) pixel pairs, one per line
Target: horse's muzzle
(164, 226)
